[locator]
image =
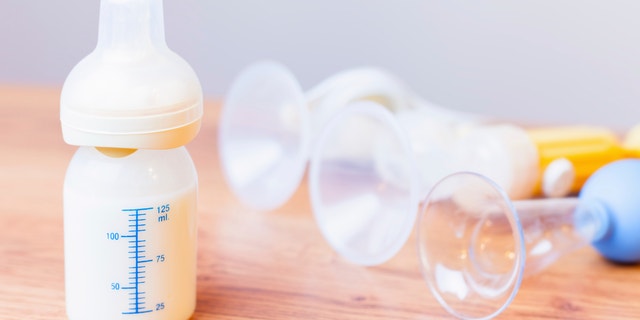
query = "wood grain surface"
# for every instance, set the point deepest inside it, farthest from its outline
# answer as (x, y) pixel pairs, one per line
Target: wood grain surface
(251, 265)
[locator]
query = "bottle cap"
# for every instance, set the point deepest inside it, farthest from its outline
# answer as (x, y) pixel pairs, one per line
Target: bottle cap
(132, 91)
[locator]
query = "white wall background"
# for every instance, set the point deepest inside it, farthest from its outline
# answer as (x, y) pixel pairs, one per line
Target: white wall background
(536, 60)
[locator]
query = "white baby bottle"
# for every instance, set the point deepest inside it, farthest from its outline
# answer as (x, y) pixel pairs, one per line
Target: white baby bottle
(130, 191)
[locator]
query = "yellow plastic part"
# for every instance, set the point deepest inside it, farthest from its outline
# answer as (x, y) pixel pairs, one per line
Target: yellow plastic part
(116, 152)
(587, 147)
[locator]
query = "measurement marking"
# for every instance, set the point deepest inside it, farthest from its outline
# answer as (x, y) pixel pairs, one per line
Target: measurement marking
(136, 254)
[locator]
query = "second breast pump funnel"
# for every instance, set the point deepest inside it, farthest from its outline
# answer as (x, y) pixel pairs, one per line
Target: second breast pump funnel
(365, 202)
(364, 213)
(476, 244)
(268, 125)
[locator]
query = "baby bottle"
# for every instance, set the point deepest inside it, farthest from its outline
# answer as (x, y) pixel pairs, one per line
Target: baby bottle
(130, 191)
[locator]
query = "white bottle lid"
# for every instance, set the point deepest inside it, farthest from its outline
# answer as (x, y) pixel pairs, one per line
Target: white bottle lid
(132, 91)
(558, 178)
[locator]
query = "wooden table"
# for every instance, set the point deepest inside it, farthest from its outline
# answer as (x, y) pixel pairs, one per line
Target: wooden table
(252, 265)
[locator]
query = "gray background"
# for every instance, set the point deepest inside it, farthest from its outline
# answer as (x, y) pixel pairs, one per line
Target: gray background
(557, 61)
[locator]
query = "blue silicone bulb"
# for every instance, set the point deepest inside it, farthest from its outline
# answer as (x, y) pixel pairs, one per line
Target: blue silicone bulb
(616, 188)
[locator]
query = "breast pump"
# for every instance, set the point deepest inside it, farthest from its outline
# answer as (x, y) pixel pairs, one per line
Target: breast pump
(269, 126)
(475, 242)
(130, 192)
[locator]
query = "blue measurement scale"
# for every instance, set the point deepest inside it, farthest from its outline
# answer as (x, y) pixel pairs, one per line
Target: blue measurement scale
(138, 258)
(137, 255)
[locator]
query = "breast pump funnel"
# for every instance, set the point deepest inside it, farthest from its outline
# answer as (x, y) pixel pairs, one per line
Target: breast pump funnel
(264, 135)
(362, 211)
(132, 91)
(476, 244)
(268, 125)
(364, 179)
